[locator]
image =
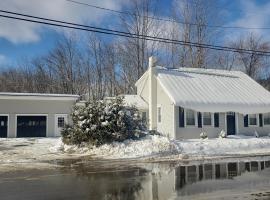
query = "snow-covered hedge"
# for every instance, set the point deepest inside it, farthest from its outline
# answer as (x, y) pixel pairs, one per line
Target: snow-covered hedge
(101, 122)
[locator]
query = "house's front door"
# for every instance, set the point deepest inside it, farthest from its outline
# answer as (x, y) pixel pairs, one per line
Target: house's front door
(230, 123)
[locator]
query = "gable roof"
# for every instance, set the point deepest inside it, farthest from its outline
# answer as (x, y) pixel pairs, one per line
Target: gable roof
(209, 90)
(135, 100)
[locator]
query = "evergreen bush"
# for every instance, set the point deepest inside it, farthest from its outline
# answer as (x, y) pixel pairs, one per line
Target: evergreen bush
(100, 122)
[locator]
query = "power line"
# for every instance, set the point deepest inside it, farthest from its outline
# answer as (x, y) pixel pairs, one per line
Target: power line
(167, 20)
(64, 24)
(122, 32)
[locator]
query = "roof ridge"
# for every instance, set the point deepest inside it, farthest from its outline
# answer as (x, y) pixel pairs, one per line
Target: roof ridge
(215, 72)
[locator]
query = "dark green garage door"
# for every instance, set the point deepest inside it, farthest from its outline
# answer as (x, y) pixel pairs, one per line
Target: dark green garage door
(31, 126)
(3, 126)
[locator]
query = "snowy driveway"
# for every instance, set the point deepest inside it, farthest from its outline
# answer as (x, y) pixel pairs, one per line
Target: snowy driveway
(18, 153)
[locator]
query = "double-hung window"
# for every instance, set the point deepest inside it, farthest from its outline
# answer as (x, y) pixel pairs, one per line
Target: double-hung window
(190, 118)
(266, 119)
(252, 120)
(207, 119)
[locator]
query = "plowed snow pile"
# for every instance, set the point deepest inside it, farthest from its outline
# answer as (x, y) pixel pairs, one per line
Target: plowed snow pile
(148, 146)
(159, 146)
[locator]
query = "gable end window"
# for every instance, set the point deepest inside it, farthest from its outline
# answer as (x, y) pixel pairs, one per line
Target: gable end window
(159, 114)
(266, 119)
(207, 119)
(252, 120)
(190, 118)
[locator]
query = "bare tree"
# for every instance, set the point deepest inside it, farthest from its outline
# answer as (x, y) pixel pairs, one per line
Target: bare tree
(252, 62)
(195, 16)
(134, 52)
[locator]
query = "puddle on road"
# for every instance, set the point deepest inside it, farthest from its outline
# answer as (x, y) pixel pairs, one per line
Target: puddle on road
(247, 178)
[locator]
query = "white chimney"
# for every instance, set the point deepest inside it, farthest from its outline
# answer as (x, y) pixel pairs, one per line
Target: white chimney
(152, 94)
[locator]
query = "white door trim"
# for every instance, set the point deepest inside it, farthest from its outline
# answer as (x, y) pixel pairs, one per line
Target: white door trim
(16, 118)
(56, 123)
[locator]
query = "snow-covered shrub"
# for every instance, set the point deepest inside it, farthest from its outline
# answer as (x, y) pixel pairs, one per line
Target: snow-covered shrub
(100, 122)
(222, 134)
(256, 134)
(203, 135)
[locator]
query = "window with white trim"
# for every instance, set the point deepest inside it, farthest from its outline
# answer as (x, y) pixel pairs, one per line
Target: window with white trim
(190, 117)
(266, 119)
(207, 119)
(61, 122)
(159, 114)
(252, 120)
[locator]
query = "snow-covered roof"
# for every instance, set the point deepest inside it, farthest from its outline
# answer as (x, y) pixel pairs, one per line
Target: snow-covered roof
(40, 96)
(209, 90)
(135, 100)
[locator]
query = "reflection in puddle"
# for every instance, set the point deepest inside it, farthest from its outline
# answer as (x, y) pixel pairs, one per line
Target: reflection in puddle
(194, 173)
(240, 178)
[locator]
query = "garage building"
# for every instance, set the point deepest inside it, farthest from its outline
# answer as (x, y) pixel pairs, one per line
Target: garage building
(34, 115)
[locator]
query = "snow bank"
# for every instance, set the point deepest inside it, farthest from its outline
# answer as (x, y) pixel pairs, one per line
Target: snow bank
(39, 150)
(233, 145)
(148, 146)
(160, 146)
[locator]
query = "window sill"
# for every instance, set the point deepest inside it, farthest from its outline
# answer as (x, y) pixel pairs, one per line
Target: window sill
(190, 126)
(252, 126)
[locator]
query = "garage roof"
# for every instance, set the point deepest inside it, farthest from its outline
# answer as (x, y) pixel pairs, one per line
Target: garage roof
(135, 100)
(38, 96)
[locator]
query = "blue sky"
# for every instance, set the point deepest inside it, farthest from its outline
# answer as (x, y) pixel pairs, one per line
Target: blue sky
(25, 40)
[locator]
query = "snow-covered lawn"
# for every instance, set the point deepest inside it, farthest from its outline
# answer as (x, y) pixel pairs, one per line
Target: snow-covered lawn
(29, 151)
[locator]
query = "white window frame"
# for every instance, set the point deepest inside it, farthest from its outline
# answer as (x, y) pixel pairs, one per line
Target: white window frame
(43, 115)
(263, 120)
(6, 115)
(159, 107)
(257, 120)
(212, 120)
(195, 116)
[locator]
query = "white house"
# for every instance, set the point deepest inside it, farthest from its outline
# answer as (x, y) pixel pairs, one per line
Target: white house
(34, 115)
(184, 102)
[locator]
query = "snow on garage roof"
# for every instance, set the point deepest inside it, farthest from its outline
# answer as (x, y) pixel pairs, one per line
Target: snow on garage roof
(135, 100)
(209, 90)
(38, 96)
